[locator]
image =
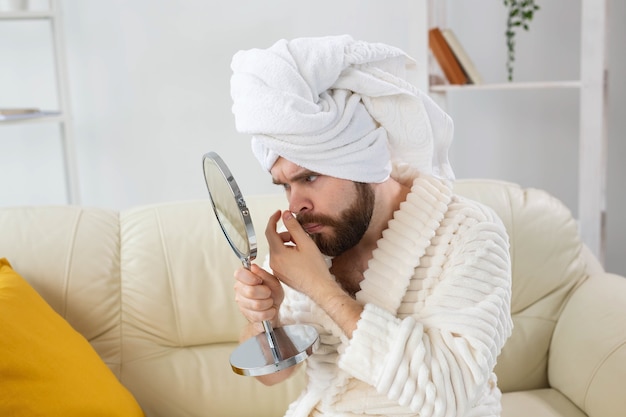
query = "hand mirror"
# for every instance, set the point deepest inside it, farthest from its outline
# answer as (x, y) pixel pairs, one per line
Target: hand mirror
(275, 349)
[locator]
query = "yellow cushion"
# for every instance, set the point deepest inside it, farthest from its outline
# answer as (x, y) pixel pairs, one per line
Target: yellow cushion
(46, 367)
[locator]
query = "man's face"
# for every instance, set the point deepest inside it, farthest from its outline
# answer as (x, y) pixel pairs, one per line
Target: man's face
(334, 212)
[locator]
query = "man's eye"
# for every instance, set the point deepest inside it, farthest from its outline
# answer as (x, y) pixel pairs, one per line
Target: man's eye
(311, 178)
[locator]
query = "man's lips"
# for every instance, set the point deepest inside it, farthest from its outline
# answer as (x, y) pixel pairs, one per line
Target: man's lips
(311, 228)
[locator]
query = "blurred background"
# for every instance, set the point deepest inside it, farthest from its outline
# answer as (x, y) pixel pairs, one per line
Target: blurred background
(149, 95)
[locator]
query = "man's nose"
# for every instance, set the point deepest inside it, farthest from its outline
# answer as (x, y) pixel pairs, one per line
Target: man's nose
(299, 201)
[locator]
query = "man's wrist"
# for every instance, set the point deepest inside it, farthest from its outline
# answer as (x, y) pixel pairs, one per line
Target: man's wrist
(341, 307)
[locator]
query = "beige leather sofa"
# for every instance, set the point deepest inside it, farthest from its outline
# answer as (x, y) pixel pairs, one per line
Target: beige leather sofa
(151, 289)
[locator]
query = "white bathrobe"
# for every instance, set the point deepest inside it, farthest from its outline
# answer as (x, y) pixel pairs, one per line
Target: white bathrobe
(436, 299)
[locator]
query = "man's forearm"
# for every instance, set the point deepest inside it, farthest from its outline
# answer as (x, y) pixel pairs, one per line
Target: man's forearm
(340, 306)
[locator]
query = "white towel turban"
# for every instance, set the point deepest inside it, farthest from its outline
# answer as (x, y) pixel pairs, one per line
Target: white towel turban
(338, 107)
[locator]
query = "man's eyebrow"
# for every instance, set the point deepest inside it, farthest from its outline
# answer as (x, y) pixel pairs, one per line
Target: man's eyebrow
(297, 177)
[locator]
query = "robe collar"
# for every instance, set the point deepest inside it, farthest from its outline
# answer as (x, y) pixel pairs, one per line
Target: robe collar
(404, 242)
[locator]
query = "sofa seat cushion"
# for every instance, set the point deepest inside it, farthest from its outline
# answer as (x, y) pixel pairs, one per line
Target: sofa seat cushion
(538, 403)
(47, 367)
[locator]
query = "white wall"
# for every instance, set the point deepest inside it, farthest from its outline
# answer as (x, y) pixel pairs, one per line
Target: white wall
(150, 94)
(151, 86)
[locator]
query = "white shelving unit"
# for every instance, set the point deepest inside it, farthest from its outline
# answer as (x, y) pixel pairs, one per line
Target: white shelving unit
(592, 86)
(62, 115)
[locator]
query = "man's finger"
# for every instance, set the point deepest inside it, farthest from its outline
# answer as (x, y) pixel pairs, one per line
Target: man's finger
(285, 236)
(272, 236)
(246, 277)
(295, 229)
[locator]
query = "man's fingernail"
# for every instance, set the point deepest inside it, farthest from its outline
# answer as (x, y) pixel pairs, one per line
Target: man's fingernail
(287, 215)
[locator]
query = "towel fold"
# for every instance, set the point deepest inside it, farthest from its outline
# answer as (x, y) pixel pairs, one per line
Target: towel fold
(338, 107)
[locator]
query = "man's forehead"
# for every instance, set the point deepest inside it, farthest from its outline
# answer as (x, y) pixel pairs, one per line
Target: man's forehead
(283, 166)
(284, 170)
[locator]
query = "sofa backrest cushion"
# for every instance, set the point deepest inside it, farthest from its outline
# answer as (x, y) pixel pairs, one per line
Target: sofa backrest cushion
(546, 267)
(180, 321)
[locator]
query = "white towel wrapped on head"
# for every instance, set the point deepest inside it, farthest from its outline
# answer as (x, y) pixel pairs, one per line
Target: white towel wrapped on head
(338, 107)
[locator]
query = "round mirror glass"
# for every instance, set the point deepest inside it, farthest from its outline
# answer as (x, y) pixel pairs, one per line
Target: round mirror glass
(230, 207)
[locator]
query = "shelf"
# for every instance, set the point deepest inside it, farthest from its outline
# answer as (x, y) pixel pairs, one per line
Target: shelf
(26, 15)
(33, 117)
(535, 85)
(592, 87)
(52, 16)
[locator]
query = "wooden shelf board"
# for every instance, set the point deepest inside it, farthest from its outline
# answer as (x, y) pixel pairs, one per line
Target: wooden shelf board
(26, 15)
(507, 86)
(43, 116)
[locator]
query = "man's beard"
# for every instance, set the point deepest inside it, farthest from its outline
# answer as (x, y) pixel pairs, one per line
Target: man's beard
(348, 228)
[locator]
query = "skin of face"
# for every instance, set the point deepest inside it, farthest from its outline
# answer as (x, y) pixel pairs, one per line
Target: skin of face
(334, 212)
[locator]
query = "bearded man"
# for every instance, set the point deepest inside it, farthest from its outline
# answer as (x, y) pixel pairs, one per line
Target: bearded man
(408, 284)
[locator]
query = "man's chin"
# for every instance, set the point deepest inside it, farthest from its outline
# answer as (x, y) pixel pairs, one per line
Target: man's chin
(328, 250)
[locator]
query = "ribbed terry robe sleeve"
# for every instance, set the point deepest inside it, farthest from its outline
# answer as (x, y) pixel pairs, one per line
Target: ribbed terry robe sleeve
(438, 360)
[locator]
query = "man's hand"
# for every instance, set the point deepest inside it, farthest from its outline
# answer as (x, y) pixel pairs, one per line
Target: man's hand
(258, 295)
(299, 264)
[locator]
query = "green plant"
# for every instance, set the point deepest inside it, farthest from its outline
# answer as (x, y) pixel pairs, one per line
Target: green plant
(520, 15)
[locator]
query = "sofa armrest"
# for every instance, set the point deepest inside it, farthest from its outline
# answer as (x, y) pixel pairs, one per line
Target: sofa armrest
(587, 360)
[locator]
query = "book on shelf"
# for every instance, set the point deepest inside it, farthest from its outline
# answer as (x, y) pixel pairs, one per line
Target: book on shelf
(462, 57)
(19, 113)
(445, 57)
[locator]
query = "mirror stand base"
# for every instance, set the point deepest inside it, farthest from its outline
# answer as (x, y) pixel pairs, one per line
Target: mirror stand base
(255, 357)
